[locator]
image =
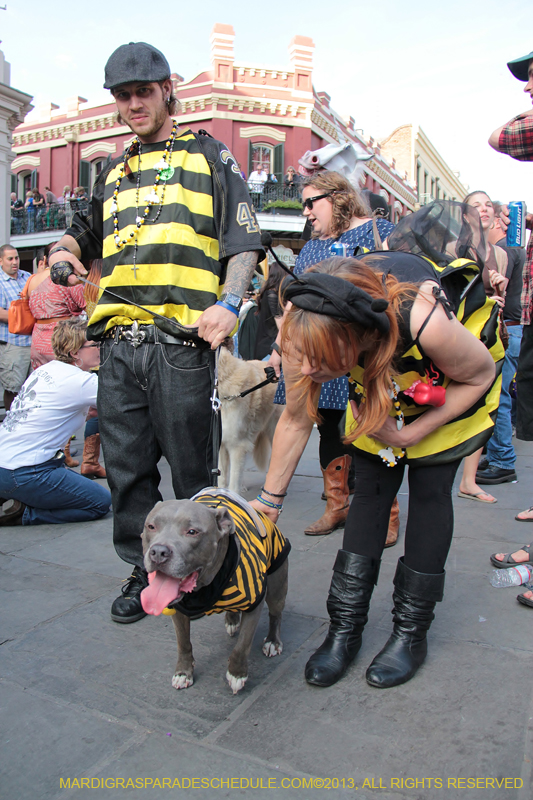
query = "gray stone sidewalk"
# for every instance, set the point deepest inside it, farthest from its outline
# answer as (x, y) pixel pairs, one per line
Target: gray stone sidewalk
(90, 702)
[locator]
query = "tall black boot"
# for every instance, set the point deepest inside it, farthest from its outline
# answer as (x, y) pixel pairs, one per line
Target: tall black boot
(354, 578)
(414, 597)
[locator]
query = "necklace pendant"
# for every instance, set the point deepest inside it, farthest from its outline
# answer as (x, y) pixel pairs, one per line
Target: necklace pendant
(166, 173)
(151, 198)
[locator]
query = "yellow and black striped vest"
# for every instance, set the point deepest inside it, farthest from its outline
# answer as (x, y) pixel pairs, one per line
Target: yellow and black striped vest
(465, 434)
(241, 583)
(177, 273)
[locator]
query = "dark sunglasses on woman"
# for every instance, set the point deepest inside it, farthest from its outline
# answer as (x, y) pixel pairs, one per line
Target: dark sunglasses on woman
(310, 200)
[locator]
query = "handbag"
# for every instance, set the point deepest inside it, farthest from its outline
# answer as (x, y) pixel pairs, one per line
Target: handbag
(19, 317)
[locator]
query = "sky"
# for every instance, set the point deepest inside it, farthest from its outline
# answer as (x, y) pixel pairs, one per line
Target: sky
(439, 65)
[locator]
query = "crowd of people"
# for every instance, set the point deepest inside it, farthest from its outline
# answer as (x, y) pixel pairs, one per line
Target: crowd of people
(371, 319)
(44, 211)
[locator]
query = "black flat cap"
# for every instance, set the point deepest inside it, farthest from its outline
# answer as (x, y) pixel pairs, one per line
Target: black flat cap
(136, 61)
(519, 67)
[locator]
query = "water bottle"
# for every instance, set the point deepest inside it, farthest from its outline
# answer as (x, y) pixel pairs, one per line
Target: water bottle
(515, 576)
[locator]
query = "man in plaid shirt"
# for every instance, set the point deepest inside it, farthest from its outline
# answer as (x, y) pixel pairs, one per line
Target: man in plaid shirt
(14, 348)
(516, 139)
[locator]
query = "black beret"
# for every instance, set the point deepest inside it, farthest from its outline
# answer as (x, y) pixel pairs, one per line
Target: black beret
(338, 298)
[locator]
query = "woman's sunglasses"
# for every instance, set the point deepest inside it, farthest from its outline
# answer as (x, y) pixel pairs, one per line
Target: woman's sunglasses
(310, 200)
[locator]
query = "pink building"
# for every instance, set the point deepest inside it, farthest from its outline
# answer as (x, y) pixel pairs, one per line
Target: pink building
(269, 115)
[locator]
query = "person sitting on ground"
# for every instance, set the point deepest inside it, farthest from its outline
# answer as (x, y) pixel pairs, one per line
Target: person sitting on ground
(52, 404)
(522, 556)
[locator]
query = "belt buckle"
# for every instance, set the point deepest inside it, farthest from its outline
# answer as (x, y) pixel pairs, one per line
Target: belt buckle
(134, 336)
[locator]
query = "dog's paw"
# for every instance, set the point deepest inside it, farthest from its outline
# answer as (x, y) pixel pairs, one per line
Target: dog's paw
(232, 628)
(271, 649)
(235, 684)
(182, 681)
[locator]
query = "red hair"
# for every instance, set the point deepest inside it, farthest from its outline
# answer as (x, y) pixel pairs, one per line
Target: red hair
(340, 345)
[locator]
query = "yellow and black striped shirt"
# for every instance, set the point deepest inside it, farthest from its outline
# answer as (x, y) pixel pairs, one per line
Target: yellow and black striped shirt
(181, 248)
(240, 585)
(468, 432)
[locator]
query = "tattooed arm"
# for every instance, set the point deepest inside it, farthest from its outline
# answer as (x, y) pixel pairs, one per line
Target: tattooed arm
(217, 322)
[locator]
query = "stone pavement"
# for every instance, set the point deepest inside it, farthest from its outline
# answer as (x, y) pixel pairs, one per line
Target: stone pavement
(88, 701)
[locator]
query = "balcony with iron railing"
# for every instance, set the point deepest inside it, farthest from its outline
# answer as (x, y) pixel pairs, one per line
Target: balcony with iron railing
(36, 226)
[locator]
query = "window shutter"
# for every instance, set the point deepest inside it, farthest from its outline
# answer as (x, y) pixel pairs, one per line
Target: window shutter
(34, 179)
(13, 183)
(84, 175)
(278, 162)
(250, 159)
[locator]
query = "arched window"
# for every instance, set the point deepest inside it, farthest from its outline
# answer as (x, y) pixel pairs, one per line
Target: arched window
(261, 155)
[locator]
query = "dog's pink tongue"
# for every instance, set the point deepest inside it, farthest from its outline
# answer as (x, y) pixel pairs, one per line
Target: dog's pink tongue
(163, 589)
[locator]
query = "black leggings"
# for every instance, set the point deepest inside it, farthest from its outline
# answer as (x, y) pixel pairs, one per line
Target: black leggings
(429, 530)
(330, 445)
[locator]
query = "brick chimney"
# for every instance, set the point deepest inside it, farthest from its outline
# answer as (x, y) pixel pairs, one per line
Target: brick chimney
(222, 55)
(73, 105)
(301, 58)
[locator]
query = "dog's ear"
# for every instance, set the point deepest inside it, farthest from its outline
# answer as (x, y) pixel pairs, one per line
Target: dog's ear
(225, 523)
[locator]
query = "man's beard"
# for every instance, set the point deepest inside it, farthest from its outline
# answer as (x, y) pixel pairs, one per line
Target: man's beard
(156, 124)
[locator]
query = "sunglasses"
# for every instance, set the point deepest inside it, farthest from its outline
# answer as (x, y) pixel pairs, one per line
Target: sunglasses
(310, 200)
(93, 344)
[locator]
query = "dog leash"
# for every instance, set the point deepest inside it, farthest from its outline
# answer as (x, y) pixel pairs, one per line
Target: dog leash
(271, 378)
(217, 427)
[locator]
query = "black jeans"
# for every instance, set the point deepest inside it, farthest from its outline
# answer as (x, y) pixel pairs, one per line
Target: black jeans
(429, 530)
(153, 400)
(524, 387)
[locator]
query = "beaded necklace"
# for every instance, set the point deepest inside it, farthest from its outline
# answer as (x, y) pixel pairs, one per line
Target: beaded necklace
(164, 171)
(387, 454)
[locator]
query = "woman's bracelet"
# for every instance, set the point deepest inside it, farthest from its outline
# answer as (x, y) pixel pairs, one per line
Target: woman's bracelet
(276, 348)
(272, 494)
(276, 506)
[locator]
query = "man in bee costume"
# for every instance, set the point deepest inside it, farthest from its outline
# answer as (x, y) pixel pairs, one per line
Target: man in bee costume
(173, 221)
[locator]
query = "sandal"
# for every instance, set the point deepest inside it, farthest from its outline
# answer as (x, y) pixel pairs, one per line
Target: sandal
(525, 601)
(508, 560)
(524, 519)
(477, 496)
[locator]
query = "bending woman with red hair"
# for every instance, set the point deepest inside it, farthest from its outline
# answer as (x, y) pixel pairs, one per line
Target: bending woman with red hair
(384, 320)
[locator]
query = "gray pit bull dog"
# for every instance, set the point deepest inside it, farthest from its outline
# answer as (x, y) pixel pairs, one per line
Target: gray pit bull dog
(209, 555)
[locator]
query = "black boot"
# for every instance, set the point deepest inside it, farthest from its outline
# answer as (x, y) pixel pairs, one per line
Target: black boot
(127, 607)
(415, 595)
(354, 578)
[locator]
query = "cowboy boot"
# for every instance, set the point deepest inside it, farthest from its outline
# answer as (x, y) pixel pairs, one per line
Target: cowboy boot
(69, 461)
(90, 466)
(415, 595)
(336, 488)
(351, 482)
(394, 524)
(354, 578)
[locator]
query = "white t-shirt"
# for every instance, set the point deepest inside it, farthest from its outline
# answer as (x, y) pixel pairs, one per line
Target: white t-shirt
(51, 405)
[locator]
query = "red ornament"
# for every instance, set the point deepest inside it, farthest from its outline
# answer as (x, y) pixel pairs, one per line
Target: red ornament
(426, 394)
